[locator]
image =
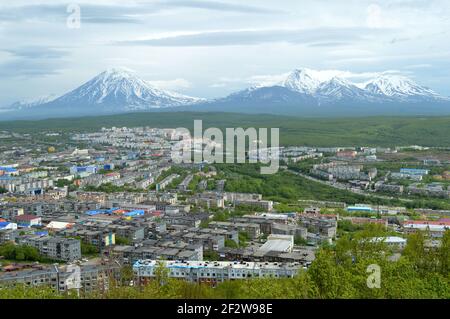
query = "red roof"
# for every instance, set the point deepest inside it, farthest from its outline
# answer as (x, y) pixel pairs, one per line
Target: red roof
(26, 217)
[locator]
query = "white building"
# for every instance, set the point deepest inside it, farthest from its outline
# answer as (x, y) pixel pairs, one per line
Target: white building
(281, 243)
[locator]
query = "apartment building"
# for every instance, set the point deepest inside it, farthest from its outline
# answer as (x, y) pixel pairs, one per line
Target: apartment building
(214, 272)
(252, 229)
(63, 279)
(55, 247)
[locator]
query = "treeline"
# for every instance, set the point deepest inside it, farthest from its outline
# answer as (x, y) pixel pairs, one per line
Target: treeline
(11, 251)
(344, 270)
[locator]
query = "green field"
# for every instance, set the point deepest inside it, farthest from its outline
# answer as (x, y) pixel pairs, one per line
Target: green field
(367, 131)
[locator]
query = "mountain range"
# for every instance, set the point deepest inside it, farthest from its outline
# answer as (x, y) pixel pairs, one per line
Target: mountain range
(302, 92)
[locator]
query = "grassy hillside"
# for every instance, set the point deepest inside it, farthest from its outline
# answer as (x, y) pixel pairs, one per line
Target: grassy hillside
(381, 131)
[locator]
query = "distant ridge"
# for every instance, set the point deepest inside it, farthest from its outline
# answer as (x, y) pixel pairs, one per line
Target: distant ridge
(303, 92)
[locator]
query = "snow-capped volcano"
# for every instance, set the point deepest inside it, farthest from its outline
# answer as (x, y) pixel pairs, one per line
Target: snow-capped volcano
(302, 81)
(330, 92)
(333, 86)
(115, 90)
(120, 88)
(338, 89)
(25, 104)
(300, 92)
(400, 87)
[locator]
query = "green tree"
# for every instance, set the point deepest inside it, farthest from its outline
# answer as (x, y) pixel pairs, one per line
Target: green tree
(122, 241)
(231, 243)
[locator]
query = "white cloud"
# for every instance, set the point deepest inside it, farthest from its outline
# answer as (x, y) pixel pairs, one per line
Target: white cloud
(378, 18)
(211, 48)
(176, 84)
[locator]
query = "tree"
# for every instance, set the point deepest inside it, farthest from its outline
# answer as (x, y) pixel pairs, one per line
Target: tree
(122, 241)
(415, 250)
(126, 275)
(89, 249)
(444, 254)
(331, 280)
(161, 274)
(210, 255)
(231, 243)
(300, 241)
(12, 251)
(243, 238)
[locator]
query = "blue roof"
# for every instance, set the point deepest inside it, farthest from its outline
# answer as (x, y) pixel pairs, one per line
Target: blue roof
(359, 208)
(95, 212)
(135, 213)
(8, 169)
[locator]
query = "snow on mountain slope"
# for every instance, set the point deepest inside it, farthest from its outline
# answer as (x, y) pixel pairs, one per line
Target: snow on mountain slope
(331, 86)
(302, 81)
(120, 88)
(307, 91)
(302, 91)
(400, 87)
(338, 89)
(25, 104)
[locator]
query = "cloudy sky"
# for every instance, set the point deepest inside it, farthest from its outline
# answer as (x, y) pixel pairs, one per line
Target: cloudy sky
(210, 48)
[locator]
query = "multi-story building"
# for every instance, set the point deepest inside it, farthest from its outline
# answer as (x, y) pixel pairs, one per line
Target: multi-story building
(435, 229)
(183, 186)
(388, 188)
(214, 272)
(252, 229)
(55, 247)
(63, 279)
(97, 238)
(266, 205)
(321, 226)
(152, 249)
(286, 229)
(166, 181)
(28, 220)
(8, 235)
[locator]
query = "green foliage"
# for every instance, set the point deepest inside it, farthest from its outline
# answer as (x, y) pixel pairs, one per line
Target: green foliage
(15, 252)
(63, 182)
(210, 255)
(300, 241)
(339, 271)
(25, 292)
(89, 249)
(3, 190)
(287, 188)
(204, 224)
(231, 243)
(243, 239)
(123, 241)
(126, 275)
(370, 131)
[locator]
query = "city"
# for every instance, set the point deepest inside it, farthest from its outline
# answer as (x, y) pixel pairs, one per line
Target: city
(211, 158)
(113, 202)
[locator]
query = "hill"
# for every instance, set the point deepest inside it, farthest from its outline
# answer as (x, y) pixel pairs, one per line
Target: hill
(370, 131)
